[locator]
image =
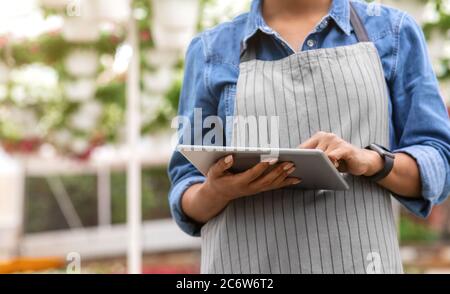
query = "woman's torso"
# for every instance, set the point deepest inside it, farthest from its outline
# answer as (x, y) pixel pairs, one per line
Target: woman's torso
(294, 231)
(341, 91)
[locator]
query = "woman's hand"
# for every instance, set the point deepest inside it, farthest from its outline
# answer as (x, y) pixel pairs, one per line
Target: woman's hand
(403, 180)
(345, 156)
(230, 186)
(203, 201)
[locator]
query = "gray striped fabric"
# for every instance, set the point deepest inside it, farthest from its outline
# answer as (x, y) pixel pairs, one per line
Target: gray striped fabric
(339, 90)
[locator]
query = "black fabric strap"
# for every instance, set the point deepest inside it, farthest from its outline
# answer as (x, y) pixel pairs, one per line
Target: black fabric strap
(249, 53)
(388, 158)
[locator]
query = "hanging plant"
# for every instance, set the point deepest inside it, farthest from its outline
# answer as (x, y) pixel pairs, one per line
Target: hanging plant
(173, 30)
(86, 105)
(82, 63)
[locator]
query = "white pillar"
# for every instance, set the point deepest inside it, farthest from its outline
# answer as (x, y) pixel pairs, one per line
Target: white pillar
(11, 206)
(134, 220)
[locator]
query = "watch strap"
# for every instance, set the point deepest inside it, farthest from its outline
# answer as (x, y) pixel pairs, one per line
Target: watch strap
(388, 158)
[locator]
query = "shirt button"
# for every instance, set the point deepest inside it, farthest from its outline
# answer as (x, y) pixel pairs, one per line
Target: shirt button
(310, 43)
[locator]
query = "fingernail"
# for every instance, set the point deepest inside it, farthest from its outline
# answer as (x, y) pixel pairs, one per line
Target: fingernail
(273, 161)
(296, 181)
(336, 163)
(228, 159)
(291, 171)
(269, 160)
(288, 166)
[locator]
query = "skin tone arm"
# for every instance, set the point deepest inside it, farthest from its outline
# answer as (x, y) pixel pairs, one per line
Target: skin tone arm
(404, 179)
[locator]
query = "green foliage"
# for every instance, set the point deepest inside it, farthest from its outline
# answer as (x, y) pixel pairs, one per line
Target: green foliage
(412, 231)
(113, 92)
(51, 48)
(442, 25)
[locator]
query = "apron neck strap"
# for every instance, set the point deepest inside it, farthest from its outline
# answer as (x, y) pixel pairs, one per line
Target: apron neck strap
(358, 27)
(360, 31)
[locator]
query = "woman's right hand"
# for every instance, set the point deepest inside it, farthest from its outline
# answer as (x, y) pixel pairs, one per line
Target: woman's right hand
(203, 201)
(255, 180)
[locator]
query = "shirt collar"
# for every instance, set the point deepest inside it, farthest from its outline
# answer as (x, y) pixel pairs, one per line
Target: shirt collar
(339, 12)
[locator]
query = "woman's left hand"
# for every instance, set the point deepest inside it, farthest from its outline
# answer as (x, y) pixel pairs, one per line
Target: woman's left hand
(345, 156)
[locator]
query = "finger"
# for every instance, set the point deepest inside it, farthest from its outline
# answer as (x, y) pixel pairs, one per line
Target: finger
(328, 142)
(282, 177)
(268, 179)
(311, 143)
(333, 149)
(337, 155)
(333, 143)
(289, 182)
(323, 145)
(317, 139)
(221, 166)
(254, 172)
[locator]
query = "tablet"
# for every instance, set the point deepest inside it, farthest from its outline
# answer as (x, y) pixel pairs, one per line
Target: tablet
(311, 165)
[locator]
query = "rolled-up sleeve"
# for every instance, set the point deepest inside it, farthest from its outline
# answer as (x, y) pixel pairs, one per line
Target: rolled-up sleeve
(420, 119)
(184, 222)
(194, 94)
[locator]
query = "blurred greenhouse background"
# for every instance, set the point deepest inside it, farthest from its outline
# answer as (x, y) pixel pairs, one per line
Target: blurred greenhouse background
(64, 78)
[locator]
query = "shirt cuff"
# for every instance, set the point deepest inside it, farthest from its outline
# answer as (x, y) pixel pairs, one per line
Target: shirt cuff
(432, 174)
(184, 222)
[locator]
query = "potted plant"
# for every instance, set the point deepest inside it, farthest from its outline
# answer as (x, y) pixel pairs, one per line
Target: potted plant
(80, 90)
(118, 11)
(174, 22)
(82, 63)
(81, 22)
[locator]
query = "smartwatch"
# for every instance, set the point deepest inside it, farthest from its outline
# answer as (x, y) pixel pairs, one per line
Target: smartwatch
(388, 158)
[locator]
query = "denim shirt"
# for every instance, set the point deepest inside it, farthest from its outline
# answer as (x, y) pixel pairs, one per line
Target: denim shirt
(419, 123)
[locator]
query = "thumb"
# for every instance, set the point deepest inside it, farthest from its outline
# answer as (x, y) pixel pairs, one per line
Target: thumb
(337, 156)
(219, 168)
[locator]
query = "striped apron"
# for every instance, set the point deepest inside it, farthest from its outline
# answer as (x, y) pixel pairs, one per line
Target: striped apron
(339, 90)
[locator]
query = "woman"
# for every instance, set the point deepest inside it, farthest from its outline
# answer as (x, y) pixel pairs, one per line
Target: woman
(342, 77)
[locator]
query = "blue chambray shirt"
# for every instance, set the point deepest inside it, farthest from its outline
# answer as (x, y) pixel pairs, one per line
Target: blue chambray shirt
(419, 123)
